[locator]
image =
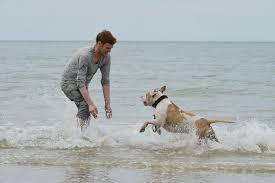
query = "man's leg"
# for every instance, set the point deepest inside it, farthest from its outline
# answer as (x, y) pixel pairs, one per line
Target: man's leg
(83, 124)
(83, 114)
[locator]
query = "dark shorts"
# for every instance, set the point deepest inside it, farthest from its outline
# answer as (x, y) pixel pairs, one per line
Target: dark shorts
(82, 106)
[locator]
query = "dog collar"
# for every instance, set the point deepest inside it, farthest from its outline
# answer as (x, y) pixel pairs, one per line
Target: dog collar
(158, 101)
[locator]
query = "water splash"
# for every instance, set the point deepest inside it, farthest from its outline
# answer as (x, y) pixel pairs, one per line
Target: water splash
(250, 136)
(59, 136)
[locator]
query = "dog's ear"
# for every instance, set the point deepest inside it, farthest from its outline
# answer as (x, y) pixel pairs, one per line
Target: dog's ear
(162, 89)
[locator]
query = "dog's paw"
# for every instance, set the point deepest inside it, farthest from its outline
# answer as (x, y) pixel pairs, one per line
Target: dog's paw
(142, 130)
(159, 131)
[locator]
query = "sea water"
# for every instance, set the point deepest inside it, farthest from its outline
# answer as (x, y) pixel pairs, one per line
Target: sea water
(40, 140)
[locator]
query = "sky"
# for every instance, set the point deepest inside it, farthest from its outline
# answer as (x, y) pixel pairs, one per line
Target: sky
(138, 20)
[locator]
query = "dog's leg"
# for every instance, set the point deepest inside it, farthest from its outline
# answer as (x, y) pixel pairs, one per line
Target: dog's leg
(156, 129)
(210, 134)
(155, 122)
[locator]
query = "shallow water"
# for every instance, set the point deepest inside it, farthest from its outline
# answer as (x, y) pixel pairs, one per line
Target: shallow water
(38, 134)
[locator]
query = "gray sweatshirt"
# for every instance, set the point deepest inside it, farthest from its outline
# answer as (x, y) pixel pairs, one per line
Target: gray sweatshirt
(81, 68)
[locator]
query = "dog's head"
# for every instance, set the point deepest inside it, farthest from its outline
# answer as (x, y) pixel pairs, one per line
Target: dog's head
(151, 97)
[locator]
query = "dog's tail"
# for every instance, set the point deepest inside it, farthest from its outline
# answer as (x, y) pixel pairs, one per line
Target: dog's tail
(219, 121)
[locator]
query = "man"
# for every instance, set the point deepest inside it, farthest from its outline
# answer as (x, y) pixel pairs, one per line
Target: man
(80, 70)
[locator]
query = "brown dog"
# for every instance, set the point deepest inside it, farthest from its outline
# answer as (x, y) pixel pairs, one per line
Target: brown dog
(170, 117)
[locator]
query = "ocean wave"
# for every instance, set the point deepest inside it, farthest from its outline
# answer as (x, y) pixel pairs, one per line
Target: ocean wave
(249, 136)
(52, 137)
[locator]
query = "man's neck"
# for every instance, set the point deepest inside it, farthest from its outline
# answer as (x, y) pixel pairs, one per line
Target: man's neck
(96, 55)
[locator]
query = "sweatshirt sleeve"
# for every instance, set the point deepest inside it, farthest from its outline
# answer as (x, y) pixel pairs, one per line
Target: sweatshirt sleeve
(105, 72)
(82, 71)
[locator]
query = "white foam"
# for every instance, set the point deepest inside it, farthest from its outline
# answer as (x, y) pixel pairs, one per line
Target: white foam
(243, 136)
(60, 136)
(247, 136)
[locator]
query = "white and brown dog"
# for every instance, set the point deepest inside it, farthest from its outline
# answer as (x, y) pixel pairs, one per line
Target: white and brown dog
(170, 117)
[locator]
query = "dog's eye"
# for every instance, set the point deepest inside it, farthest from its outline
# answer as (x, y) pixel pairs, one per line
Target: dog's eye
(154, 95)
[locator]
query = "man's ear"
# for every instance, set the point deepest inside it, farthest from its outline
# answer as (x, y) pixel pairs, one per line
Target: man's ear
(162, 89)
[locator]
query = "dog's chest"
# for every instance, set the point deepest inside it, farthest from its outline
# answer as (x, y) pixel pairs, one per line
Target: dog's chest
(161, 110)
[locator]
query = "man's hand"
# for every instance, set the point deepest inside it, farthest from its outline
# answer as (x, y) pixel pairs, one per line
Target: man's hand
(93, 110)
(108, 111)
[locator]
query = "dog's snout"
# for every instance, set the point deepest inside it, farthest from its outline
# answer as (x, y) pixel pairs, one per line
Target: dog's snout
(143, 101)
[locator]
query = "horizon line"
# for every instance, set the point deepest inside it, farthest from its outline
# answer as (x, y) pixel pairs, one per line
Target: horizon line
(75, 40)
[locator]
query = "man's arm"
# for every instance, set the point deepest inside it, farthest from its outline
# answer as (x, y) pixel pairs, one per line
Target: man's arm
(85, 94)
(106, 94)
(81, 80)
(105, 82)
(92, 108)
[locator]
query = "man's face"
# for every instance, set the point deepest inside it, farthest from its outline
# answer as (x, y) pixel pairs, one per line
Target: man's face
(105, 48)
